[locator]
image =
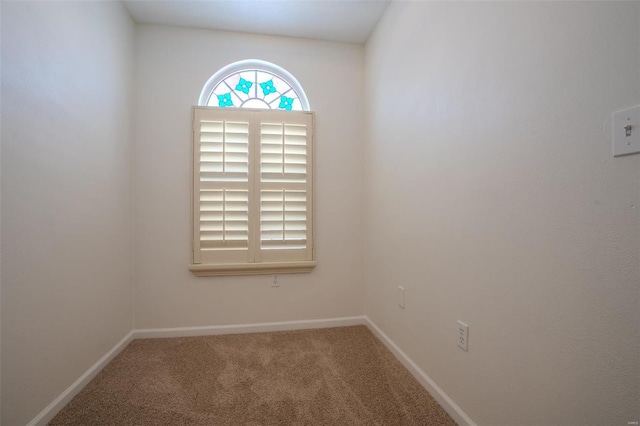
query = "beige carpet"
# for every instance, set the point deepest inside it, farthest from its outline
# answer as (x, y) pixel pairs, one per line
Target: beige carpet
(335, 376)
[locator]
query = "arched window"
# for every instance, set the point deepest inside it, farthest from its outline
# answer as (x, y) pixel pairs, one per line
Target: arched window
(254, 84)
(252, 193)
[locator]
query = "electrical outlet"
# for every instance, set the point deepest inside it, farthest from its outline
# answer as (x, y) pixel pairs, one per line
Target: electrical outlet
(401, 297)
(274, 281)
(463, 336)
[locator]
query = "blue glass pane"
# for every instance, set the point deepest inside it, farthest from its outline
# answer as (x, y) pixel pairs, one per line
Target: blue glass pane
(244, 85)
(267, 87)
(285, 103)
(225, 100)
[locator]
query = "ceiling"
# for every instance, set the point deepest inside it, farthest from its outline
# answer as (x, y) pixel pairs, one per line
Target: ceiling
(350, 21)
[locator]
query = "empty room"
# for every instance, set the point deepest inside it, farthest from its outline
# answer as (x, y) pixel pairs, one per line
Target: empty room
(320, 212)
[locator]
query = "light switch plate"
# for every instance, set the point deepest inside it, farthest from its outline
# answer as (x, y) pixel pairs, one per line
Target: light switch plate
(626, 140)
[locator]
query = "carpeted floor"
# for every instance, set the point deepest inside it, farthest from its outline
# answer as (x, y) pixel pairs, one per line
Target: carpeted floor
(336, 376)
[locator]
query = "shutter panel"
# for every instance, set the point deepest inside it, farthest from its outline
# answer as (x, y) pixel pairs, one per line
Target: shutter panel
(252, 186)
(283, 219)
(285, 182)
(221, 186)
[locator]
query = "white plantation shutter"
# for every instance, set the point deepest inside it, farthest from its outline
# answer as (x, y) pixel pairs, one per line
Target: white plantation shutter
(252, 186)
(221, 186)
(285, 184)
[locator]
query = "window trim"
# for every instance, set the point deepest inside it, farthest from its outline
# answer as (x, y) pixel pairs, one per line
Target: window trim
(266, 268)
(258, 267)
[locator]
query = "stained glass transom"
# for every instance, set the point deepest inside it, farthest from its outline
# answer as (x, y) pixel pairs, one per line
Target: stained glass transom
(255, 89)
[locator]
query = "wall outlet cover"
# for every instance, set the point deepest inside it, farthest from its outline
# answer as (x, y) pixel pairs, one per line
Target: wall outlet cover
(463, 336)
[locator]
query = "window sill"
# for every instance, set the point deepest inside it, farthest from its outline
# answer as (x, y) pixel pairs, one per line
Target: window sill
(201, 270)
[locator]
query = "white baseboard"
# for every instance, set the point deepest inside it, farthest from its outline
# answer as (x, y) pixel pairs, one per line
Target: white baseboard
(65, 397)
(438, 394)
(248, 328)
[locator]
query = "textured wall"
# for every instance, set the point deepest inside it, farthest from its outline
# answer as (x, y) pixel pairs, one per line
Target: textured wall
(492, 196)
(173, 64)
(67, 70)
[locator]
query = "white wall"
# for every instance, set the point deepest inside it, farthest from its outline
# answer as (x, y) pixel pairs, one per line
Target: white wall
(172, 66)
(492, 196)
(66, 195)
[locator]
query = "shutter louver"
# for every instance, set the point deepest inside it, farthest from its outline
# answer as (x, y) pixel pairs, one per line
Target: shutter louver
(283, 219)
(224, 218)
(284, 153)
(224, 151)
